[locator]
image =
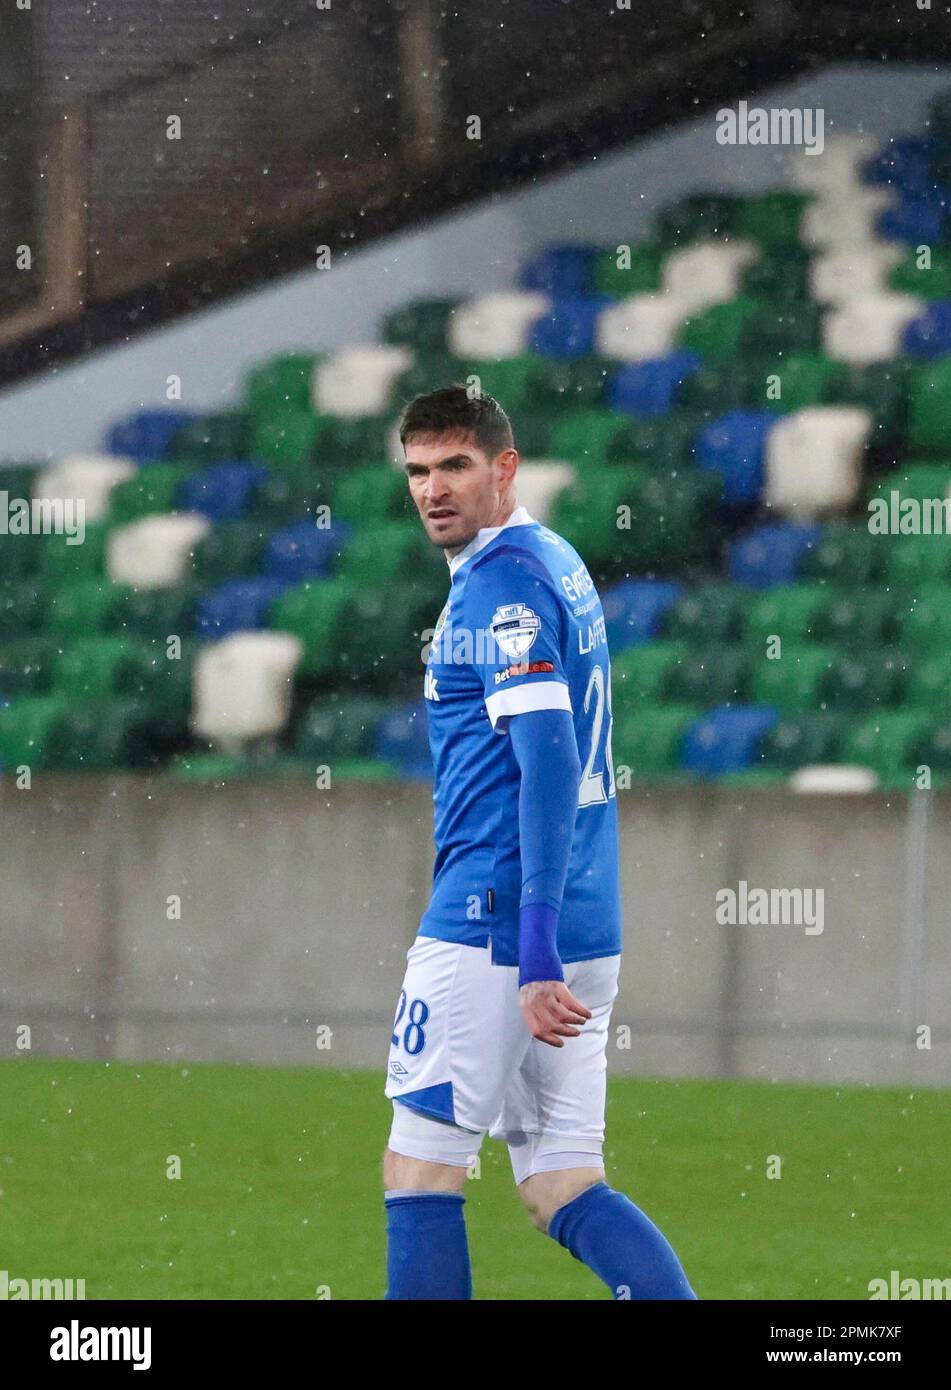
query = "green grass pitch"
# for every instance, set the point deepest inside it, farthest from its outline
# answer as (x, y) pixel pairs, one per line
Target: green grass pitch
(280, 1193)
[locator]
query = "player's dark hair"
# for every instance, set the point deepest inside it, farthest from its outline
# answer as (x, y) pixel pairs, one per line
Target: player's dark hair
(452, 410)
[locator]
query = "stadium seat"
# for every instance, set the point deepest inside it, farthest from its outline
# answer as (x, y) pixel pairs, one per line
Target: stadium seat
(304, 551)
(493, 326)
(564, 272)
(634, 610)
(839, 275)
(316, 612)
(794, 683)
(648, 738)
(772, 554)
(708, 272)
(814, 459)
(238, 605)
(243, 686)
(568, 328)
(727, 739)
(222, 491)
(155, 551)
(733, 447)
(90, 477)
(146, 435)
(650, 388)
(869, 327)
(402, 739)
(358, 381)
(641, 327)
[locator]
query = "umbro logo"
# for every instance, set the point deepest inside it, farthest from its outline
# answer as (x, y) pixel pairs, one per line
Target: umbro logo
(398, 1069)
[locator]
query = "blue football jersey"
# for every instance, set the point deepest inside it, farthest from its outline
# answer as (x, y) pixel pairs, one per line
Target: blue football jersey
(521, 630)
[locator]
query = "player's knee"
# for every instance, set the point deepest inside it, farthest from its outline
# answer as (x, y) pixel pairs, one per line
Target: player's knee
(544, 1193)
(403, 1173)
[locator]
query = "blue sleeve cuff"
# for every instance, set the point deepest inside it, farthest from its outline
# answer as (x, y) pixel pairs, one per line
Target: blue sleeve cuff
(537, 946)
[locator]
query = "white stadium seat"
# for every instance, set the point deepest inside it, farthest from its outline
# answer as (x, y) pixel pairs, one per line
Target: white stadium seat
(538, 482)
(844, 219)
(708, 272)
(242, 686)
(839, 275)
(153, 553)
(869, 327)
(358, 381)
(641, 326)
(837, 168)
(814, 459)
(88, 476)
(495, 326)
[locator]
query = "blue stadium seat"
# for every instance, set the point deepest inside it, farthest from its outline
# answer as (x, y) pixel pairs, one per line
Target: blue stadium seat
(916, 218)
(930, 335)
(562, 271)
(302, 550)
(146, 435)
(223, 491)
(733, 446)
(402, 738)
(634, 608)
(650, 388)
(240, 605)
(727, 739)
(568, 329)
(772, 554)
(904, 164)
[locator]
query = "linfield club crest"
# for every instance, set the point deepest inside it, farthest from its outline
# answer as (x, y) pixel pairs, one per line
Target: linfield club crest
(515, 627)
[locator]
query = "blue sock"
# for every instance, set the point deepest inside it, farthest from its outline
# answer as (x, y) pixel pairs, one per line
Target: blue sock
(607, 1232)
(427, 1249)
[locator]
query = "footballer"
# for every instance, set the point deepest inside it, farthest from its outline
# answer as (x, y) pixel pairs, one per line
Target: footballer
(502, 1021)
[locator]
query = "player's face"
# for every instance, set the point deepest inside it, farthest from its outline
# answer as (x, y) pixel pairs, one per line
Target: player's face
(457, 488)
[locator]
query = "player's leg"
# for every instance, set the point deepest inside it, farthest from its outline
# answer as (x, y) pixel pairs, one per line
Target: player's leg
(554, 1116)
(454, 1045)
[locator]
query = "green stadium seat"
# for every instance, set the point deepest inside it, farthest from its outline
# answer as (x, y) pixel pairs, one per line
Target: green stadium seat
(588, 438)
(60, 561)
(663, 441)
(229, 549)
(778, 277)
(421, 325)
(859, 617)
(716, 675)
(772, 219)
(27, 726)
(929, 407)
(317, 612)
(882, 388)
(916, 560)
(20, 556)
(92, 666)
(638, 273)
(378, 555)
(789, 611)
(83, 605)
(213, 438)
(154, 489)
(26, 664)
(290, 493)
(338, 727)
(574, 383)
(376, 494)
(889, 742)
(512, 379)
(718, 333)
(640, 674)
(286, 440)
(714, 612)
(931, 283)
(846, 554)
(343, 444)
(928, 684)
(792, 326)
(926, 618)
(806, 740)
(648, 739)
(794, 682)
(281, 386)
(804, 379)
(156, 612)
(871, 678)
(104, 735)
(24, 605)
(695, 218)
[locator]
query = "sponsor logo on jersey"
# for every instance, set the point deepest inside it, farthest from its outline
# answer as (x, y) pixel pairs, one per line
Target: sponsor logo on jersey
(515, 627)
(525, 668)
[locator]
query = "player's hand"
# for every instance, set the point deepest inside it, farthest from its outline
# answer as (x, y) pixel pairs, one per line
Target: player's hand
(550, 1011)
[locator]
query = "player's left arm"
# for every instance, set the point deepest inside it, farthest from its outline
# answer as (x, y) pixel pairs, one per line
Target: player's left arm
(527, 697)
(546, 751)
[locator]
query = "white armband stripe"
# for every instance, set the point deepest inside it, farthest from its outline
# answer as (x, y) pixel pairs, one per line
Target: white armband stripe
(522, 699)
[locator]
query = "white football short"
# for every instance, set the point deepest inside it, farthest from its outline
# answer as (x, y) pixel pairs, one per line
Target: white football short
(461, 1055)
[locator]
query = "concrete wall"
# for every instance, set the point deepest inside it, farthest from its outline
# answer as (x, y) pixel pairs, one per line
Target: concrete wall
(297, 906)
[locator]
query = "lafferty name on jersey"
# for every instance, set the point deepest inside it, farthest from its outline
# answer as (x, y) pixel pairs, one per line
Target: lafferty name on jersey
(594, 637)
